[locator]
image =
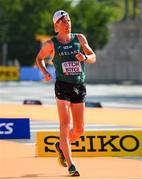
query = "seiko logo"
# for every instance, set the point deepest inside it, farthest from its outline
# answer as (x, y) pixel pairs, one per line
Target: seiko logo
(6, 128)
(106, 143)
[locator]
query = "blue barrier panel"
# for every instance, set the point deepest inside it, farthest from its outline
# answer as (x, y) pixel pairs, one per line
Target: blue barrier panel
(34, 74)
(14, 128)
(29, 74)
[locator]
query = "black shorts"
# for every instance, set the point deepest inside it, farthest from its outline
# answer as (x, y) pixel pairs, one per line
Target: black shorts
(75, 93)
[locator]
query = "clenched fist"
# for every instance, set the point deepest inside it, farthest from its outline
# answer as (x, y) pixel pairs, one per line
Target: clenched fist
(47, 77)
(80, 56)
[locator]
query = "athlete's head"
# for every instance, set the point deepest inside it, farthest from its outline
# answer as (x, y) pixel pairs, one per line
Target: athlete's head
(61, 21)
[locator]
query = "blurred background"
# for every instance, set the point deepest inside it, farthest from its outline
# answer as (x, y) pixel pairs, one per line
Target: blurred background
(113, 29)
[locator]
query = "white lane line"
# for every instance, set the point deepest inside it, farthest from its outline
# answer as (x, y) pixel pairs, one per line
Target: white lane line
(37, 126)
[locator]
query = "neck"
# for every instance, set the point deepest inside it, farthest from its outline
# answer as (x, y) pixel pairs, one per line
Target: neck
(64, 38)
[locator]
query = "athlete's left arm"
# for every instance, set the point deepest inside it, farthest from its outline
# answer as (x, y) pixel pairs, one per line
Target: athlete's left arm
(88, 56)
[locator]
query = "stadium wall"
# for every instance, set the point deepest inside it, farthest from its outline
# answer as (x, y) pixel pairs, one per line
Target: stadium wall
(121, 59)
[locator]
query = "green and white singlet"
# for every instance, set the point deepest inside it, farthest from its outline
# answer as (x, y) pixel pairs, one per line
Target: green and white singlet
(68, 68)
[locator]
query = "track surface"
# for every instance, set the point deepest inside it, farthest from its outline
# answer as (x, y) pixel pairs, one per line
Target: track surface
(18, 161)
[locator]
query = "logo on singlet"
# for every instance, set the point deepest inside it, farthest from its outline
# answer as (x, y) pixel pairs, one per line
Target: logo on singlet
(67, 47)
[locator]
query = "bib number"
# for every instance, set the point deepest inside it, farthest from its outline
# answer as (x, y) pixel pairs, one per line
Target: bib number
(71, 67)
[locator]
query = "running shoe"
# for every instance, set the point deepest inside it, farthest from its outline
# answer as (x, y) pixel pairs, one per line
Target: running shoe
(61, 158)
(72, 171)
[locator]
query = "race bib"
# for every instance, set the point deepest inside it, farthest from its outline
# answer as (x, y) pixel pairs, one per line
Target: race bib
(71, 67)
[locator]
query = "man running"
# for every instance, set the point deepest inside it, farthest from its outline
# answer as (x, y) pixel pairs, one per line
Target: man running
(70, 52)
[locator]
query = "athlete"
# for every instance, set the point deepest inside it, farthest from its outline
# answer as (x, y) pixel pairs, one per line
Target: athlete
(69, 53)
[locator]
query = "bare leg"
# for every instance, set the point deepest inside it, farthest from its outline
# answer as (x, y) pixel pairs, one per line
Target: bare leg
(64, 116)
(77, 110)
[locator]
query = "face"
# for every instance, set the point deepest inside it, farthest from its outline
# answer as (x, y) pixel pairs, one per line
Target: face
(64, 24)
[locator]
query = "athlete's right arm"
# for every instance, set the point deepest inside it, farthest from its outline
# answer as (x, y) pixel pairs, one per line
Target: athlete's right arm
(46, 51)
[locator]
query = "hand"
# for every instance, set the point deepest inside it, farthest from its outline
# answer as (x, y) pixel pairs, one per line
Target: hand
(47, 77)
(80, 56)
